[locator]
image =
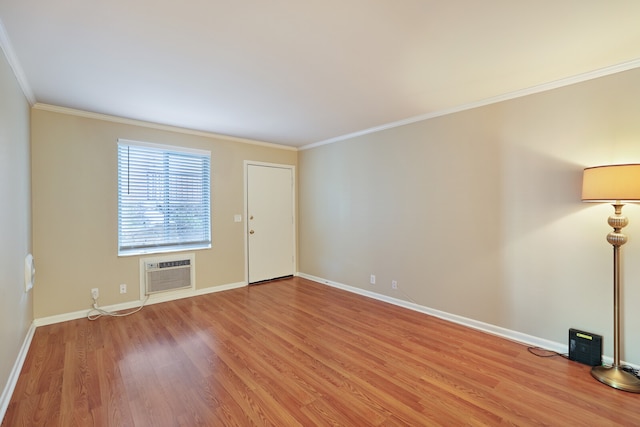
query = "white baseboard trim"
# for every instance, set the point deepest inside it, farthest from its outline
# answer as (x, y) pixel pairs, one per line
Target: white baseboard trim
(153, 299)
(15, 372)
(474, 324)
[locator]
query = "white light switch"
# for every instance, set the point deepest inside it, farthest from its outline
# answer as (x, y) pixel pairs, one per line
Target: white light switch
(237, 218)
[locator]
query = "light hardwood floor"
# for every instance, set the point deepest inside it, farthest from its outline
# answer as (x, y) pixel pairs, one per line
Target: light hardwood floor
(295, 352)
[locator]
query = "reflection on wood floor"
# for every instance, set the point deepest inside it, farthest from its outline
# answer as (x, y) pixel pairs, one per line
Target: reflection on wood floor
(295, 352)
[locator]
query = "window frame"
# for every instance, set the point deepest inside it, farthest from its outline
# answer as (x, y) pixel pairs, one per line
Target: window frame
(126, 247)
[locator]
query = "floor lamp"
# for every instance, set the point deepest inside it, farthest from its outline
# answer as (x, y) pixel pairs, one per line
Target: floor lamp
(616, 184)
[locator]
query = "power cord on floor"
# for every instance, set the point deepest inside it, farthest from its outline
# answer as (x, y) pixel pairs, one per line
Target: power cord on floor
(631, 370)
(102, 312)
(541, 352)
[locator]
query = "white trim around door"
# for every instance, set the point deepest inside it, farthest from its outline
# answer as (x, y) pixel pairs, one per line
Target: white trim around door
(247, 220)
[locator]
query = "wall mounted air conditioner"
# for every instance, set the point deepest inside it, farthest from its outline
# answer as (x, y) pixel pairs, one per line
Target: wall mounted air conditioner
(167, 273)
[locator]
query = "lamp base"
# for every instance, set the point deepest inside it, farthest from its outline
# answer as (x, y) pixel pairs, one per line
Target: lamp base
(615, 377)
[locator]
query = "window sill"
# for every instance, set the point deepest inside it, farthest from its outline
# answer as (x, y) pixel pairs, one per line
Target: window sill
(161, 250)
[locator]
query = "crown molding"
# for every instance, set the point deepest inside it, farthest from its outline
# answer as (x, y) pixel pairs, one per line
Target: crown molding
(158, 126)
(602, 72)
(5, 45)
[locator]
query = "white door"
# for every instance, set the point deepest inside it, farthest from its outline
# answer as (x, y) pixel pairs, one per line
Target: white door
(270, 222)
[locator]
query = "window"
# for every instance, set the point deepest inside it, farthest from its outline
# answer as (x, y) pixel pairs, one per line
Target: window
(163, 198)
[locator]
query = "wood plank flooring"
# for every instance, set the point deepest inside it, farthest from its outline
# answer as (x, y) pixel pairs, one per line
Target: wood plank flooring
(297, 353)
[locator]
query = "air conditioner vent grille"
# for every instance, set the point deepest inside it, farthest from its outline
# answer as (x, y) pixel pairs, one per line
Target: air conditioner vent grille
(164, 274)
(178, 263)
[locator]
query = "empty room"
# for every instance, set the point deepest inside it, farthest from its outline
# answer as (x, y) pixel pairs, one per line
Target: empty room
(385, 213)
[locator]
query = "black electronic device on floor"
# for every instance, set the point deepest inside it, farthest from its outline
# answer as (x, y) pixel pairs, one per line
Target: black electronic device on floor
(585, 347)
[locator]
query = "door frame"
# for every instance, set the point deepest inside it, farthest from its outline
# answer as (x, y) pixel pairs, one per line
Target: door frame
(294, 189)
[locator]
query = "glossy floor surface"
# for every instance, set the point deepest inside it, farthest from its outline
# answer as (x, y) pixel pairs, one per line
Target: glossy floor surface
(295, 352)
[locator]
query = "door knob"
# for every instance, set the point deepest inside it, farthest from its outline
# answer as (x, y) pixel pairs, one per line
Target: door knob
(251, 232)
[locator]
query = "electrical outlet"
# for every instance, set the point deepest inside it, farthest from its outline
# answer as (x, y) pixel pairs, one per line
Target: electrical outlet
(394, 284)
(372, 280)
(95, 293)
(123, 288)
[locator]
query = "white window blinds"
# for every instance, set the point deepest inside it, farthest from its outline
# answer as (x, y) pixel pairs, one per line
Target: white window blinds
(163, 198)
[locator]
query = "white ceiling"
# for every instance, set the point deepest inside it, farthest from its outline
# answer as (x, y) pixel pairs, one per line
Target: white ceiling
(299, 72)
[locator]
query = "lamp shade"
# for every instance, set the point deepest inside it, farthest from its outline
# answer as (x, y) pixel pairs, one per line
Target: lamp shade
(611, 183)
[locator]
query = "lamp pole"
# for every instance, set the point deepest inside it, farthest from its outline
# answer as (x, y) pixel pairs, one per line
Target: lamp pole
(614, 375)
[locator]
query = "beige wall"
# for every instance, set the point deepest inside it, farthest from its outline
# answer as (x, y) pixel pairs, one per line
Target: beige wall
(15, 221)
(478, 213)
(75, 209)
